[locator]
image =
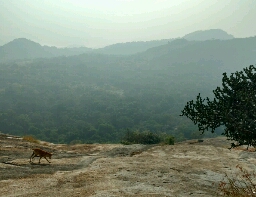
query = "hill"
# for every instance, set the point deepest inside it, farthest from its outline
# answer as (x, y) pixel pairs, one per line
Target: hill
(185, 169)
(210, 34)
(22, 48)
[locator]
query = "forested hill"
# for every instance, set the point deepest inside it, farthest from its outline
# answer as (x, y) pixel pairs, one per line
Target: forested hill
(230, 54)
(96, 98)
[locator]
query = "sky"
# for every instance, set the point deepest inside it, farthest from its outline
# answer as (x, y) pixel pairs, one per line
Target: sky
(98, 23)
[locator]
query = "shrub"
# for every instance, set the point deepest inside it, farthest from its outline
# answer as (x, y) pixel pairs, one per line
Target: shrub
(170, 140)
(30, 138)
(73, 142)
(146, 137)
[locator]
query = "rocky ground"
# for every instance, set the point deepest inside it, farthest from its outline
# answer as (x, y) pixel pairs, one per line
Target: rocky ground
(186, 169)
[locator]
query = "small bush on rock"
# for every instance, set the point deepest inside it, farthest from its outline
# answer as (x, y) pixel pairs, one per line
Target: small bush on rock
(146, 137)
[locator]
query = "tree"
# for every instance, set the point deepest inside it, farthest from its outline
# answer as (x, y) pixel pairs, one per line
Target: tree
(234, 106)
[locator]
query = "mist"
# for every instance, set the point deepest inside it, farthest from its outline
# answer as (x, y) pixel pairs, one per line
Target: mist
(100, 23)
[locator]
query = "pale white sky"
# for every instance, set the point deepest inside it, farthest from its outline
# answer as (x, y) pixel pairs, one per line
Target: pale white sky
(97, 23)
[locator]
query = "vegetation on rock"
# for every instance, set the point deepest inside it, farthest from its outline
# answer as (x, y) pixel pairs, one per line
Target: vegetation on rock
(146, 137)
(240, 186)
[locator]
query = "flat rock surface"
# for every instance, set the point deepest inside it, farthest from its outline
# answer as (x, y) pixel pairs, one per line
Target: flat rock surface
(186, 169)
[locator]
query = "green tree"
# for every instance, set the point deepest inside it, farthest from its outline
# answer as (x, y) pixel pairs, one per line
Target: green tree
(234, 107)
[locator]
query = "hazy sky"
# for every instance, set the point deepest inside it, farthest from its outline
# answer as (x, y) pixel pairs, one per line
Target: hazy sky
(97, 23)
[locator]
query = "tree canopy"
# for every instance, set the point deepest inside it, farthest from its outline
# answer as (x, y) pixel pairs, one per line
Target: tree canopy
(233, 106)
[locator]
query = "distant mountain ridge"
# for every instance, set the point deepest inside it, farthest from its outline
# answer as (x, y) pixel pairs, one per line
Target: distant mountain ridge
(210, 34)
(22, 48)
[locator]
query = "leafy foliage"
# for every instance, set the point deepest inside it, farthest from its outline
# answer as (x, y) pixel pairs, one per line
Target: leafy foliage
(233, 106)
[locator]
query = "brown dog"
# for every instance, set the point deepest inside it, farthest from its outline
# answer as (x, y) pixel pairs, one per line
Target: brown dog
(40, 153)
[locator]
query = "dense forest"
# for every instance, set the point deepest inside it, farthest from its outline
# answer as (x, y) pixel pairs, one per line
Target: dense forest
(62, 99)
(98, 98)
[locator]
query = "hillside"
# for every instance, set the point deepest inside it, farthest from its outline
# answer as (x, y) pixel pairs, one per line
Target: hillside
(231, 54)
(98, 97)
(185, 169)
